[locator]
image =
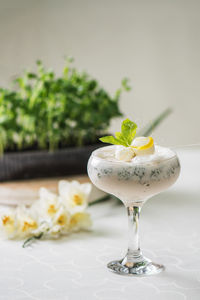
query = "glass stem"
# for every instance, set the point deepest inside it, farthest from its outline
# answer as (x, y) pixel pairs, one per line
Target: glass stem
(134, 254)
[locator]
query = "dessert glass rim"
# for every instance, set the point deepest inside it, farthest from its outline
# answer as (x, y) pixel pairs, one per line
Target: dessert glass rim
(129, 163)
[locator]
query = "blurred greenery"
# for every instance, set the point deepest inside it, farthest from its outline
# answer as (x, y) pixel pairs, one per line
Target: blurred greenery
(49, 112)
(147, 130)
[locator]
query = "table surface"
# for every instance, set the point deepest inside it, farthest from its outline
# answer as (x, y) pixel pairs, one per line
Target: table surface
(74, 267)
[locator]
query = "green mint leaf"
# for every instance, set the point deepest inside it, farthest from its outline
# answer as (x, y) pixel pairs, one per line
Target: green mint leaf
(110, 140)
(128, 130)
(122, 139)
(125, 137)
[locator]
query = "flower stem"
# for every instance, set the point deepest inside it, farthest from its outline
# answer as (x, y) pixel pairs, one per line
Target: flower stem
(102, 199)
(30, 240)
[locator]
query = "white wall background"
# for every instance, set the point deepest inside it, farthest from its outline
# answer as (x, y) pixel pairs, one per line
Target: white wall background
(156, 43)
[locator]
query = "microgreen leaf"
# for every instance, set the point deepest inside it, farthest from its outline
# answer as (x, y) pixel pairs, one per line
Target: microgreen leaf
(125, 137)
(45, 111)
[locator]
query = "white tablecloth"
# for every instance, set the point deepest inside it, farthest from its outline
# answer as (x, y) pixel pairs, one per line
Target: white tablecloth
(75, 267)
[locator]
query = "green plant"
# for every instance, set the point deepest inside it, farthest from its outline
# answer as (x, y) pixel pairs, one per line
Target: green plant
(49, 112)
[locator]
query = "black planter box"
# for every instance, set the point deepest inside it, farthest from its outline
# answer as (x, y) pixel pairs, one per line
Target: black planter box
(40, 164)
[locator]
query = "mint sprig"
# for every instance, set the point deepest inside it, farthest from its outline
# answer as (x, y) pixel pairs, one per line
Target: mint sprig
(125, 137)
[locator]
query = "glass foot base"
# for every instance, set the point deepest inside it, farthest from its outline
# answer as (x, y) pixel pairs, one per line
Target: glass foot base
(145, 267)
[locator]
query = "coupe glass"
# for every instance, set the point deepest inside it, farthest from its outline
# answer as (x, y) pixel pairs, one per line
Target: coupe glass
(133, 184)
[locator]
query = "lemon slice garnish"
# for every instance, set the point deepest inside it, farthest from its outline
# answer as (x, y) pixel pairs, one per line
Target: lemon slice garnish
(143, 145)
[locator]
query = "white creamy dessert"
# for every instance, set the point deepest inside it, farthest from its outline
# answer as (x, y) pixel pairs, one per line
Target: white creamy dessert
(133, 176)
(133, 170)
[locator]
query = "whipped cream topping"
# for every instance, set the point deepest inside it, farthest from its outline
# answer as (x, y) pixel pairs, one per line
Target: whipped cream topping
(140, 146)
(109, 153)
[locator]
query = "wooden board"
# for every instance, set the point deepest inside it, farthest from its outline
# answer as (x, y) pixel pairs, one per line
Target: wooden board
(26, 191)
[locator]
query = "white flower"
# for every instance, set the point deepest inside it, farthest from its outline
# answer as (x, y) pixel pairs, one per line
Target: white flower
(48, 204)
(60, 222)
(55, 224)
(26, 223)
(55, 231)
(51, 215)
(46, 195)
(80, 220)
(8, 223)
(74, 195)
(43, 227)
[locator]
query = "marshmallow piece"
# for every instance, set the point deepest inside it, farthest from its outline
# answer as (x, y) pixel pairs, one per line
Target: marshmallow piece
(124, 154)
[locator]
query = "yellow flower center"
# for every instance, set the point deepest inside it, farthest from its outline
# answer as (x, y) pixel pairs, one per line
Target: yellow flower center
(51, 210)
(62, 220)
(77, 199)
(29, 225)
(7, 220)
(73, 221)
